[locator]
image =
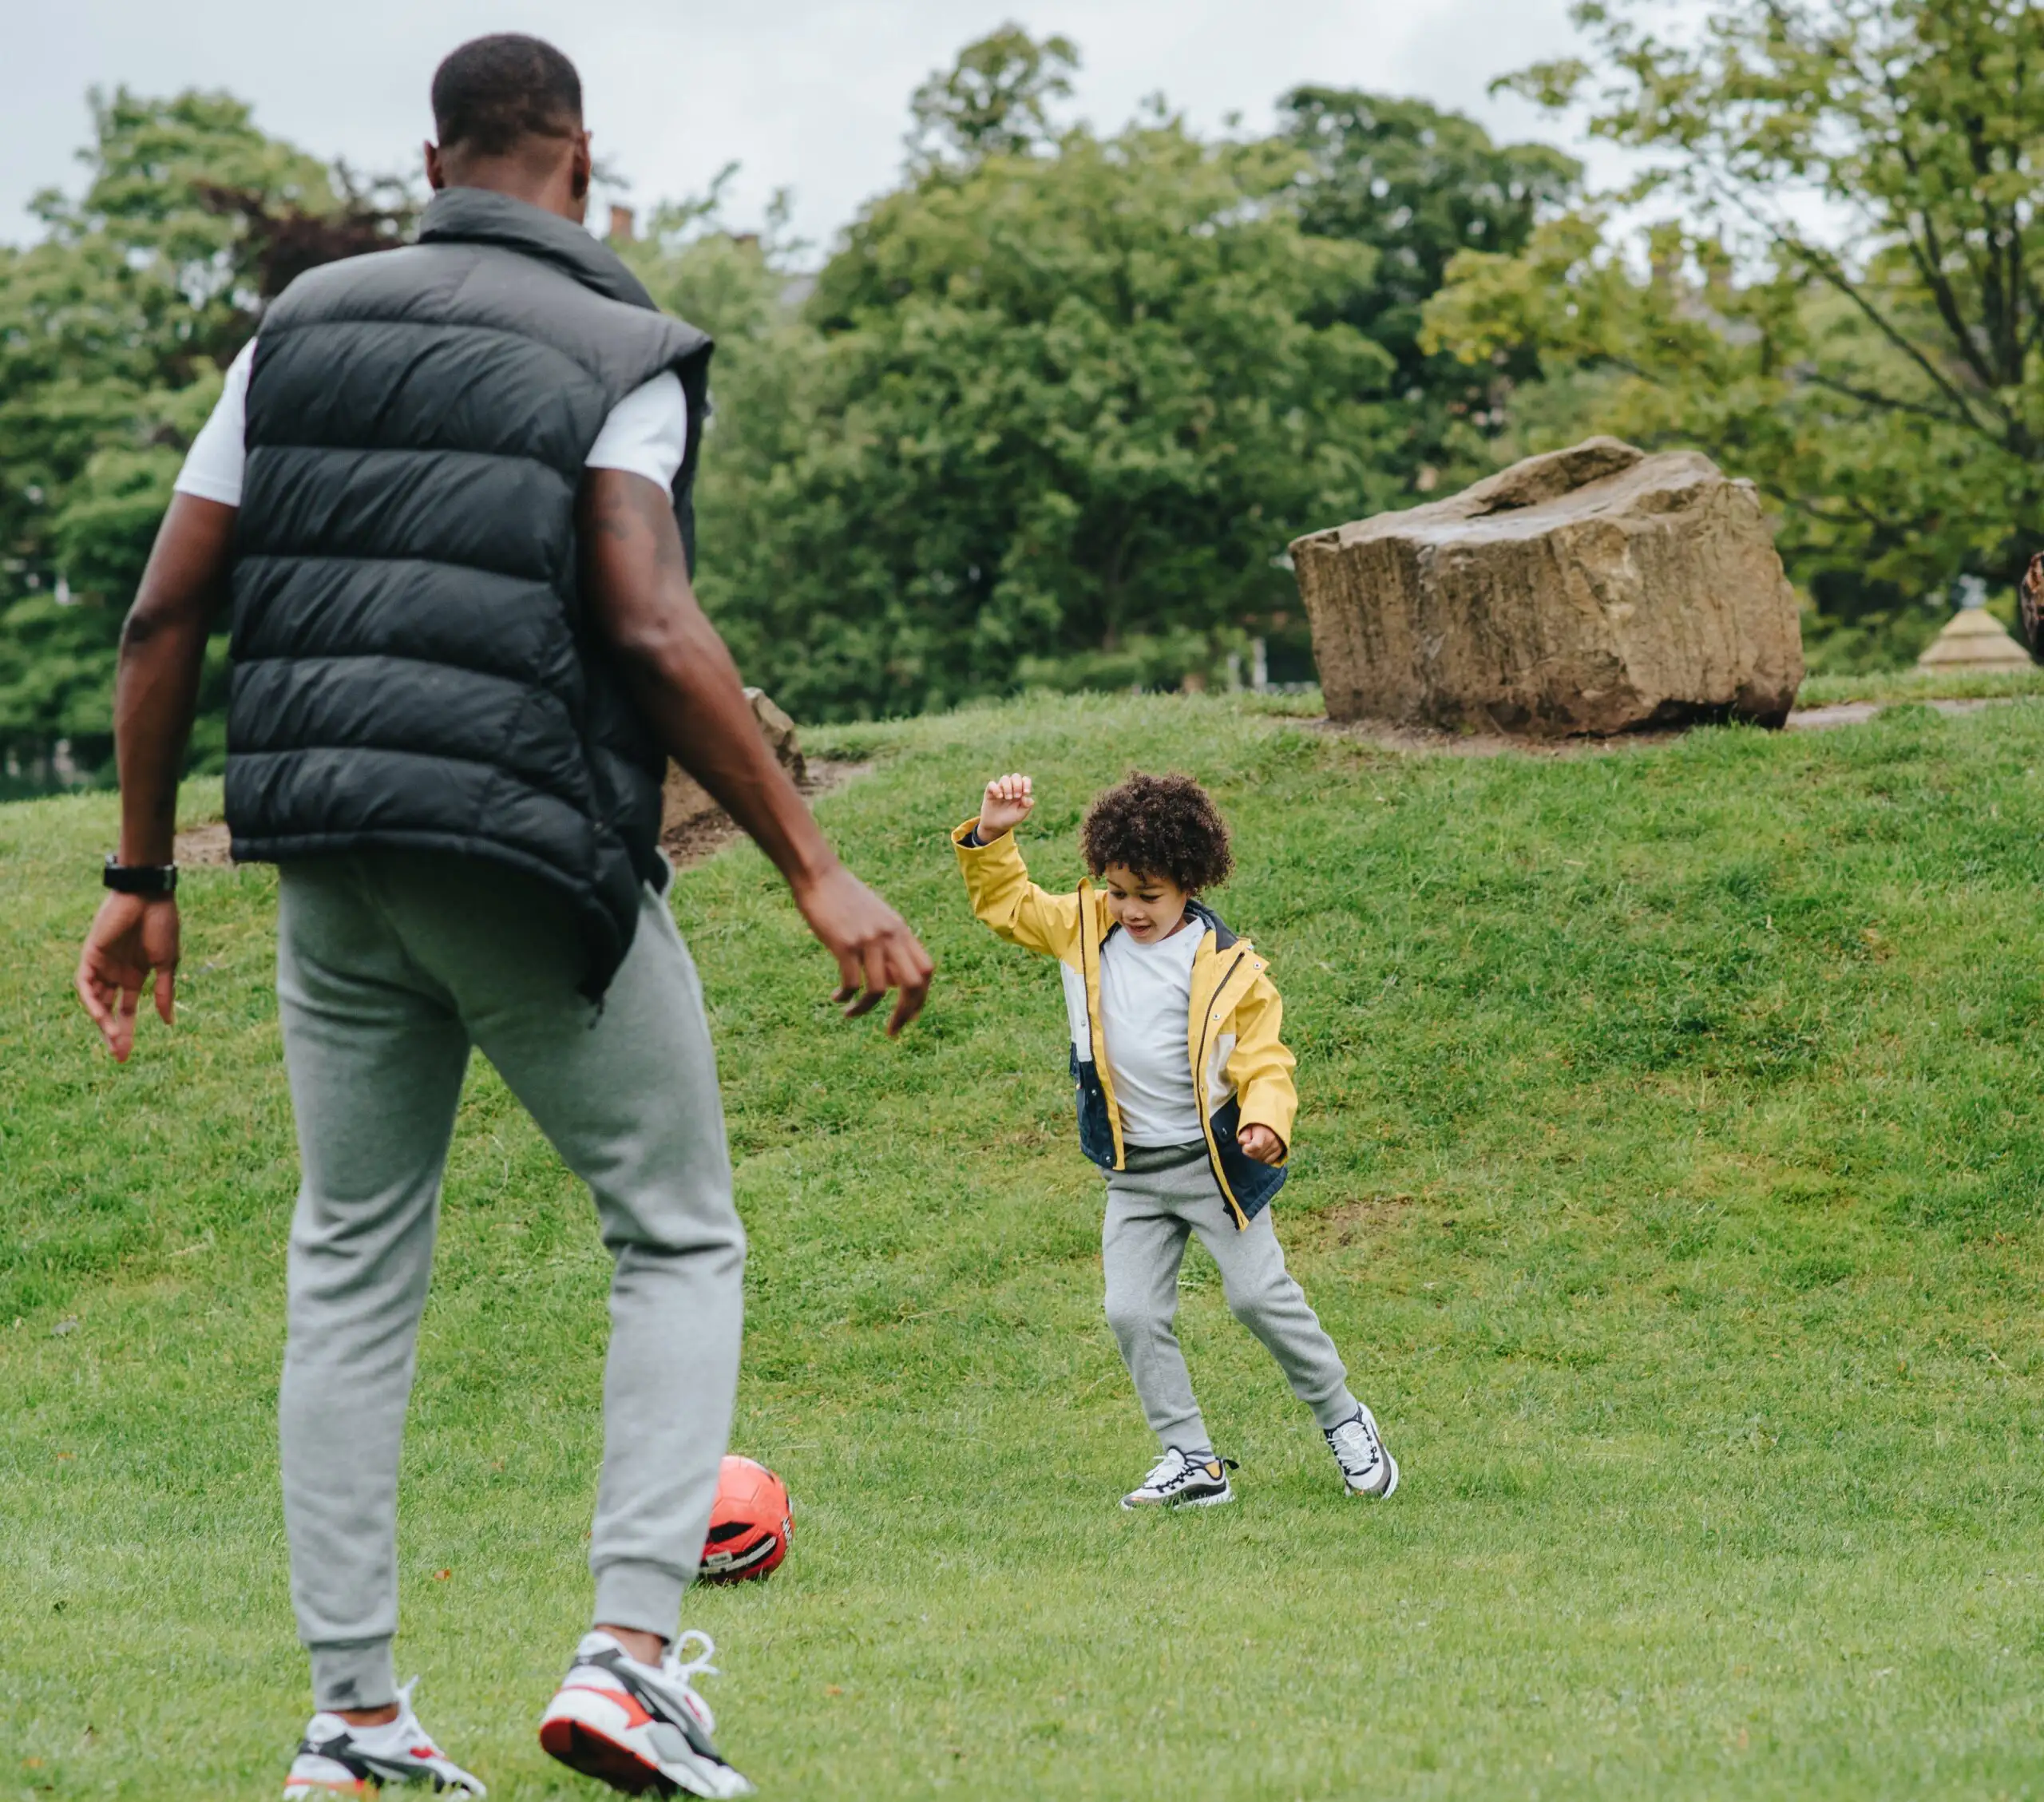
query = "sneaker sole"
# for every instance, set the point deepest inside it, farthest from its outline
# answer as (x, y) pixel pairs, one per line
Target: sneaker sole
(583, 1749)
(569, 1734)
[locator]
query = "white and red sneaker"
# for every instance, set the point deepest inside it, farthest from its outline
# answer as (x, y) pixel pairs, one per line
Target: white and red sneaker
(639, 1727)
(335, 1759)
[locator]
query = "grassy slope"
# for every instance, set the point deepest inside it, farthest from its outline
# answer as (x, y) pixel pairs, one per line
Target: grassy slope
(1668, 1173)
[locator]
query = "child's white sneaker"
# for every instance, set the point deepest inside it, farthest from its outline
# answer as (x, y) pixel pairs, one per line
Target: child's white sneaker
(335, 1759)
(1176, 1481)
(639, 1727)
(1367, 1465)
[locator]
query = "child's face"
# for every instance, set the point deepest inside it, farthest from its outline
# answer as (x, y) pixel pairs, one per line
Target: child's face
(1148, 908)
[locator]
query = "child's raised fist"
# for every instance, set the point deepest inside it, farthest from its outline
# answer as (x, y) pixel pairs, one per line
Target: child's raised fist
(1008, 801)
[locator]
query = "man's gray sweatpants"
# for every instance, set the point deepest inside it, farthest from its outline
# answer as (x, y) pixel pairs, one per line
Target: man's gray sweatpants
(390, 966)
(1151, 1213)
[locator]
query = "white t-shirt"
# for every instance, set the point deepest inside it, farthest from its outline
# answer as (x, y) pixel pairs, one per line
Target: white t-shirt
(1146, 996)
(647, 434)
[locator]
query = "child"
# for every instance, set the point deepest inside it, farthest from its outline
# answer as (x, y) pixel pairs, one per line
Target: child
(1185, 1100)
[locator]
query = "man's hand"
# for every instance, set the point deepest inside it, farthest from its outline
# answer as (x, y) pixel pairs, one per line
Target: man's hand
(131, 936)
(874, 948)
(1008, 801)
(156, 691)
(1261, 1144)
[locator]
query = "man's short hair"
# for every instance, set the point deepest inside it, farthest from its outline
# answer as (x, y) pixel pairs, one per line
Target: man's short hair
(494, 91)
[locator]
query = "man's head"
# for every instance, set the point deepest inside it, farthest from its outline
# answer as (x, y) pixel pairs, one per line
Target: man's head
(509, 111)
(1154, 842)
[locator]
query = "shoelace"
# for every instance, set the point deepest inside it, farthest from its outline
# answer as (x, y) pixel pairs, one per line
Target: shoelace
(1169, 1470)
(683, 1671)
(1353, 1443)
(689, 1669)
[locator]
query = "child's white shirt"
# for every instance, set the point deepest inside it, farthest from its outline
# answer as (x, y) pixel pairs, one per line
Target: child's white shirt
(1146, 996)
(646, 434)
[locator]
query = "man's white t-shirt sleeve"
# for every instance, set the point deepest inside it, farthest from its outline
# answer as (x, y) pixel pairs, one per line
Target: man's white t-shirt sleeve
(646, 434)
(212, 466)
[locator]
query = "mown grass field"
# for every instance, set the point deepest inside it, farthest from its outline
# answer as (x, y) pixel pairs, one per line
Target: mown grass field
(1669, 1172)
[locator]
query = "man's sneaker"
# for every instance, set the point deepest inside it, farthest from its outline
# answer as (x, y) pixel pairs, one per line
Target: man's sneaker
(639, 1727)
(334, 1759)
(1367, 1465)
(1176, 1481)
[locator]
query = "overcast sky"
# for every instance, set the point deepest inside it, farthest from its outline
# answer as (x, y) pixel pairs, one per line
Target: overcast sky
(811, 95)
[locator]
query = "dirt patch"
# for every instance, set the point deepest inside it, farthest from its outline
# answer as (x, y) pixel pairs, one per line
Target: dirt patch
(1384, 736)
(208, 846)
(1348, 1223)
(708, 833)
(1387, 737)
(203, 847)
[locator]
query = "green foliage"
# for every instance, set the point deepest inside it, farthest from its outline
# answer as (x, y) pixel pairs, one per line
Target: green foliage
(995, 100)
(1048, 419)
(1072, 395)
(1667, 1175)
(1419, 186)
(1879, 374)
(1058, 400)
(114, 330)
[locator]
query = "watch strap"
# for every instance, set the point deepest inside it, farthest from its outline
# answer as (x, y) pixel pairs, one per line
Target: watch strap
(139, 878)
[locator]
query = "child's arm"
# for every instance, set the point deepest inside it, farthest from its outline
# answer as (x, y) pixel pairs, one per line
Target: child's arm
(998, 881)
(1260, 1071)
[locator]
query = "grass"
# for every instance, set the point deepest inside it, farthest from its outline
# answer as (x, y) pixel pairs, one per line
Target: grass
(1905, 685)
(1669, 1173)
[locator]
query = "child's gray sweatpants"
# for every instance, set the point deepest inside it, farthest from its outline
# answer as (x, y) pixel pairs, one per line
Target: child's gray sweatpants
(1151, 1213)
(389, 967)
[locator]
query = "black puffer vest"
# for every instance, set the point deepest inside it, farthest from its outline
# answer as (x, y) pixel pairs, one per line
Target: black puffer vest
(412, 669)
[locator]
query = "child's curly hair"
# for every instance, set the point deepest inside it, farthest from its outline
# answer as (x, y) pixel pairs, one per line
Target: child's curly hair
(1159, 825)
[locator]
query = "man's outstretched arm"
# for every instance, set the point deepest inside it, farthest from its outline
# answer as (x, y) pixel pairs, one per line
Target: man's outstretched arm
(635, 582)
(155, 692)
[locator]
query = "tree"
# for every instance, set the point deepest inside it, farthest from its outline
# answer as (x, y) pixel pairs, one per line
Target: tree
(994, 101)
(1419, 186)
(1065, 404)
(114, 331)
(1846, 306)
(765, 380)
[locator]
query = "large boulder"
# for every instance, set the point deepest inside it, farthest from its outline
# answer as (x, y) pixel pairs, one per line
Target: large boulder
(684, 802)
(1593, 590)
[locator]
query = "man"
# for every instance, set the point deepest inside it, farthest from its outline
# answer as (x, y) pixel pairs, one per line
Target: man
(449, 491)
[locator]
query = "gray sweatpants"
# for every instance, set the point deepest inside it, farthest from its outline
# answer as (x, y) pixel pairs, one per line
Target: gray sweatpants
(390, 967)
(1151, 1215)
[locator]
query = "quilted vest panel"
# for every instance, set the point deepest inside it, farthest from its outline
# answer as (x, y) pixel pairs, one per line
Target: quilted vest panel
(412, 668)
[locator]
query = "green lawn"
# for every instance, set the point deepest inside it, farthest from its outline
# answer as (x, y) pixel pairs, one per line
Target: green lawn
(1668, 1171)
(1920, 685)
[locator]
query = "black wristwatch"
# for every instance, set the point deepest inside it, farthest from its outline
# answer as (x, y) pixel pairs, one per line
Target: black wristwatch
(140, 878)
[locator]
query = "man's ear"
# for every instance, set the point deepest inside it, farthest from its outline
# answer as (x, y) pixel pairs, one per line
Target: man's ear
(583, 168)
(436, 176)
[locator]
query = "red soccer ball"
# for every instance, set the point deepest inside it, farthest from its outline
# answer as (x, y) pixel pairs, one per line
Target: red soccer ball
(749, 1526)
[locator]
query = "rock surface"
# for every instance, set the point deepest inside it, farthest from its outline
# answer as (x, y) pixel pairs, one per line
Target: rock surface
(684, 802)
(1589, 591)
